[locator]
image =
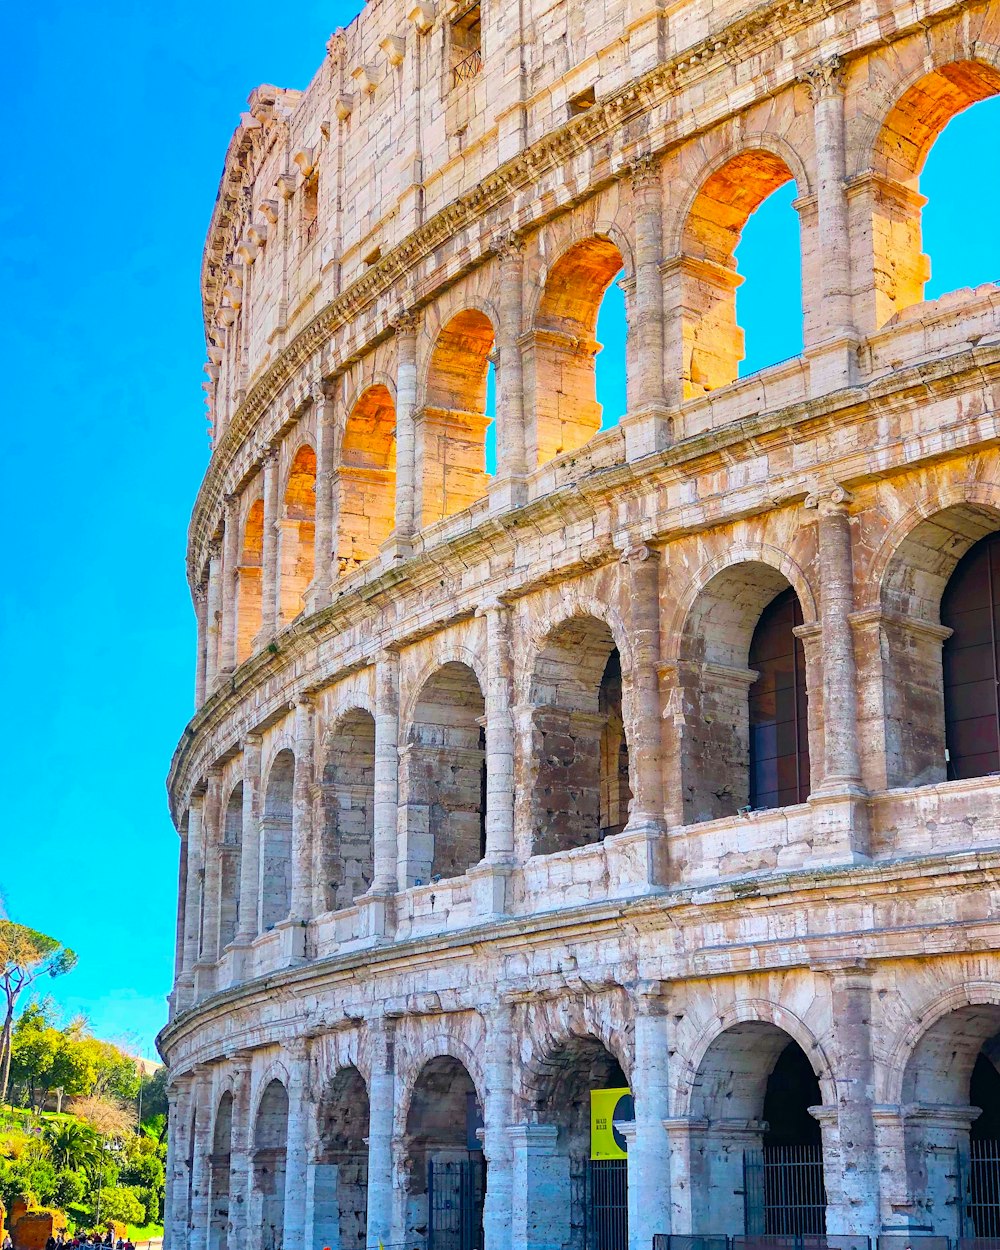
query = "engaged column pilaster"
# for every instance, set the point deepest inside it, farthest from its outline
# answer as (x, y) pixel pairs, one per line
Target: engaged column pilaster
(508, 486)
(269, 553)
(247, 928)
(376, 918)
(230, 581)
(382, 1107)
(318, 594)
(405, 327)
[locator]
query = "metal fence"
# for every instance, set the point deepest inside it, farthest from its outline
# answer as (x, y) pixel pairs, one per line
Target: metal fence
(783, 1193)
(455, 1194)
(981, 1184)
(607, 1204)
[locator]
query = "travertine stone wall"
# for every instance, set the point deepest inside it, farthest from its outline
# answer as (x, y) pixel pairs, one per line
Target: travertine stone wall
(464, 804)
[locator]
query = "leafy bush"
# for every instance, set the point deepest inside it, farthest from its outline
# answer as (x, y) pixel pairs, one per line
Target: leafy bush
(70, 1187)
(121, 1202)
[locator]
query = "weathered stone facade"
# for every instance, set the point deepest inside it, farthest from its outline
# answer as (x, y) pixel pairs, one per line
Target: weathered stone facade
(466, 809)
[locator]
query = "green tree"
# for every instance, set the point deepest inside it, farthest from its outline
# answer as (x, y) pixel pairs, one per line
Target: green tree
(121, 1203)
(72, 1144)
(25, 955)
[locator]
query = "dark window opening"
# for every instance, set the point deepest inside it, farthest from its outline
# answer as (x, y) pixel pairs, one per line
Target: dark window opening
(466, 45)
(615, 793)
(310, 208)
(779, 722)
(969, 607)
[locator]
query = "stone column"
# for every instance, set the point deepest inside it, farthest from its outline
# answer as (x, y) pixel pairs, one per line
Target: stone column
(192, 899)
(249, 856)
(211, 822)
(296, 1155)
(212, 613)
(200, 612)
(302, 786)
(201, 1170)
(834, 318)
(230, 580)
(649, 1190)
(647, 428)
(507, 488)
(240, 1162)
(382, 1107)
(318, 594)
(640, 568)
(853, 1171)
(497, 1145)
(269, 554)
(844, 825)
(176, 1197)
(376, 917)
(539, 1215)
(490, 879)
(405, 327)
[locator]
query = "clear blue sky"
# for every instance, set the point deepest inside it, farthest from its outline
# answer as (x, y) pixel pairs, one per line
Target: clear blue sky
(121, 117)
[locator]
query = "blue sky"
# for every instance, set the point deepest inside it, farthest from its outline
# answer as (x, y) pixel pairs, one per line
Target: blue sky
(121, 117)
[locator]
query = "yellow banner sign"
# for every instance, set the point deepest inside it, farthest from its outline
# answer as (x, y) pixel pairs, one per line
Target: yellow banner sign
(606, 1106)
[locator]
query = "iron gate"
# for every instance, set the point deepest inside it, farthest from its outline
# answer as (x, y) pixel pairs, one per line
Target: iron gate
(979, 1185)
(607, 1204)
(783, 1192)
(455, 1194)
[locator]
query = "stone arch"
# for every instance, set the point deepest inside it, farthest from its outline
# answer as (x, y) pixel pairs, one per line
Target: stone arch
(890, 159)
(446, 651)
(249, 585)
(946, 1084)
(219, 1171)
(276, 841)
(562, 408)
(340, 1181)
(297, 533)
(579, 745)
(270, 1148)
(909, 575)
(348, 782)
(419, 1052)
(452, 424)
(712, 633)
(730, 190)
(231, 855)
(365, 484)
(443, 776)
(751, 1085)
(443, 1111)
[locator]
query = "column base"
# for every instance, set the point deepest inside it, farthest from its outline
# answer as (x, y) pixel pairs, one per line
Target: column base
(833, 366)
(490, 889)
(292, 940)
(318, 597)
(507, 492)
(240, 955)
(647, 431)
(637, 857)
(396, 548)
(841, 825)
(376, 917)
(183, 995)
(204, 980)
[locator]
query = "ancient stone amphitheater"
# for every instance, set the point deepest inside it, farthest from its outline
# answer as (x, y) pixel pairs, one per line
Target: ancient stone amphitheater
(660, 758)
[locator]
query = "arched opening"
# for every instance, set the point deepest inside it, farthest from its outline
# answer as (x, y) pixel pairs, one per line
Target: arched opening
(349, 809)
(579, 787)
(276, 843)
(951, 1122)
(562, 408)
(894, 198)
(769, 264)
(340, 1182)
(610, 363)
(218, 1207)
(443, 777)
(270, 1144)
(446, 1180)
(249, 602)
(581, 1200)
(366, 480)
(712, 340)
(779, 709)
(724, 695)
(756, 1153)
(919, 607)
(970, 608)
(229, 868)
(296, 552)
(452, 425)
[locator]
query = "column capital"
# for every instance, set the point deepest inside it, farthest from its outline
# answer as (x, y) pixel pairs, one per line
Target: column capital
(270, 454)
(827, 500)
(495, 603)
(215, 548)
(636, 553)
(643, 173)
(507, 245)
(253, 740)
(825, 78)
(405, 323)
(231, 501)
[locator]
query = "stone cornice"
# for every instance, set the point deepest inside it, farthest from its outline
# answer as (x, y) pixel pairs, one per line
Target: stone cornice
(677, 909)
(364, 597)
